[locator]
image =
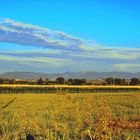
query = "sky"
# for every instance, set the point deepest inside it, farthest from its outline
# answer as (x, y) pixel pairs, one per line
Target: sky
(78, 35)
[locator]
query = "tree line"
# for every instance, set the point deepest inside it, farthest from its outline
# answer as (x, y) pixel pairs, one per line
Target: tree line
(73, 81)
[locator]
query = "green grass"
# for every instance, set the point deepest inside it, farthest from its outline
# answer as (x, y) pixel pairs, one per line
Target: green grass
(101, 116)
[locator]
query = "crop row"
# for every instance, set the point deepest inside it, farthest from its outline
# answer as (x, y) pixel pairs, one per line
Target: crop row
(65, 89)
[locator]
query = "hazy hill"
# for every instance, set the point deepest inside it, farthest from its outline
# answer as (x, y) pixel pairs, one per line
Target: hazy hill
(66, 75)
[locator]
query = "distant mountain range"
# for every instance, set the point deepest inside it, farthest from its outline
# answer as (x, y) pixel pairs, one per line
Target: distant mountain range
(67, 75)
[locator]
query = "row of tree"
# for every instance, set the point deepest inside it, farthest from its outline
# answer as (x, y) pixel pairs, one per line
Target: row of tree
(118, 81)
(61, 81)
(76, 81)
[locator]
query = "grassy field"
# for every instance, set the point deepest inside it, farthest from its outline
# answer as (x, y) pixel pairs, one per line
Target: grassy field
(89, 116)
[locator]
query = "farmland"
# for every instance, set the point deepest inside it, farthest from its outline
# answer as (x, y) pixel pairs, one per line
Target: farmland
(66, 88)
(98, 116)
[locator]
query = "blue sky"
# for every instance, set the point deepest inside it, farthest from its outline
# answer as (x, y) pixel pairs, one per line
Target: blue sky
(108, 31)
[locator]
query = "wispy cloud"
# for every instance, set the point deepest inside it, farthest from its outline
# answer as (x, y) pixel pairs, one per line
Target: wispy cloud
(26, 34)
(98, 54)
(124, 65)
(132, 67)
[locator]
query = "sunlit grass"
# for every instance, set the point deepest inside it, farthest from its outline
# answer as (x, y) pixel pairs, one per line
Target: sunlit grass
(70, 116)
(71, 86)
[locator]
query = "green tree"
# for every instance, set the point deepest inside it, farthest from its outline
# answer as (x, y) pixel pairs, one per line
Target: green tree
(110, 81)
(60, 80)
(46, 81)
(1, 81)
(134, 81)
(70, 81)
(117, 81)
(76, 81)
(40, 82)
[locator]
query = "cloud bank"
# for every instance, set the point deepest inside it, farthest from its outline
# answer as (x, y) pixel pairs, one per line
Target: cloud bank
(60, 51)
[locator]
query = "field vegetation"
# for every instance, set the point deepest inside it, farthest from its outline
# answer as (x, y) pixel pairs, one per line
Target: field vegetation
(7, 88)
(64, 116)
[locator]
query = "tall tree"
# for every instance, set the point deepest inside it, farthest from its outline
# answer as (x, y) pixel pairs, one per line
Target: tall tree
(1, 81)
(117, 81)
(134, 81)
(110, 81)
(70, 81)
(60, 80)
(40, 82)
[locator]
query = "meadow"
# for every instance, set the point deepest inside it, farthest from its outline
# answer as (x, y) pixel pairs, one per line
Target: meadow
(69, 116)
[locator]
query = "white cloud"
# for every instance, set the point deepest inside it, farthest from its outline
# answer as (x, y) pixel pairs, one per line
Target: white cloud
(62, 50)
(26, 34)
